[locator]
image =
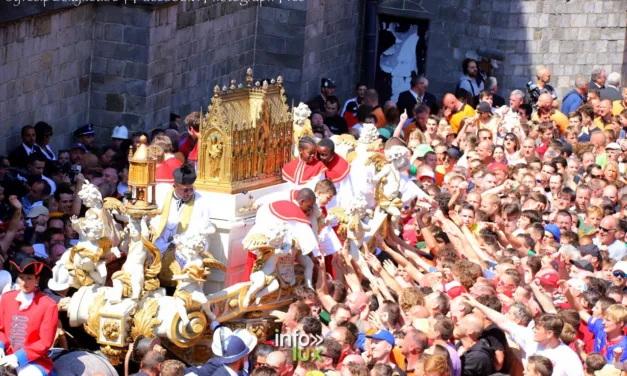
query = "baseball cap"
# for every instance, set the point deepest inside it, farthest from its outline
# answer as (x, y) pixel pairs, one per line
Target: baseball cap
(554, 230)
(383, 335)
(583, 265)
(453, 152)
(590, 249)
(423, 149)
(549, 279)
(484, 107)
(327, 82)
(620, 266)
(78, 145)
(426, 173)
(496, 166)
(36, 211)
(613, 146)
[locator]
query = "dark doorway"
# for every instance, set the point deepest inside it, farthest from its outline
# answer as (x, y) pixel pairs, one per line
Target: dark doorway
(401, 54)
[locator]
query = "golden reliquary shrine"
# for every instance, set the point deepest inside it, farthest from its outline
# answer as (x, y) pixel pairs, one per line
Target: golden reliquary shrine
(245, 138)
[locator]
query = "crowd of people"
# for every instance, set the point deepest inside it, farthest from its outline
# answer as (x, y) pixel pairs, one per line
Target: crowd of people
(510, 256)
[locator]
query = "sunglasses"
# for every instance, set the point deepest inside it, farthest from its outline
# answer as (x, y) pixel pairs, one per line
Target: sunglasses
(597, 176)
(540, 181)
(620, 274)
(601, 228)
(187, 190)
(509, 138)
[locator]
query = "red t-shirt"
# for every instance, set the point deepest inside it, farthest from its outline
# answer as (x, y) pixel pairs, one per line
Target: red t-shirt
(165, 170)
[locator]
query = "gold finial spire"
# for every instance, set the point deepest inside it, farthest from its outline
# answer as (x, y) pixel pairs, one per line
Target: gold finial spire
(249, 77)
(279, 81)
(216, 91)
(233, 82)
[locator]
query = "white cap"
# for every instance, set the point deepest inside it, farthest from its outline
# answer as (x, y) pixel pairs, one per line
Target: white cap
(222, 333)
(613, 146)
(621, 265)
(120, 132)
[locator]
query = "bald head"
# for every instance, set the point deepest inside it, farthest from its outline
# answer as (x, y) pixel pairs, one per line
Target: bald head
(354, 359)
(540, 71)
(545, 101)
(473, 326)
(276, 360)
(306, 194)
(450, 102)
(357, 301)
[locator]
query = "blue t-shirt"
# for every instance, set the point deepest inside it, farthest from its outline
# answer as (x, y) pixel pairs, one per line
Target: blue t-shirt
(596, 327)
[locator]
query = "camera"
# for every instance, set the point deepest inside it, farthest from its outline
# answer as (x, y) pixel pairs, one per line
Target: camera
(534, 92)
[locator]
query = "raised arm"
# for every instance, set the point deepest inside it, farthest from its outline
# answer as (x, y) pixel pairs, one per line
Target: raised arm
(399, 128)
(497, 318)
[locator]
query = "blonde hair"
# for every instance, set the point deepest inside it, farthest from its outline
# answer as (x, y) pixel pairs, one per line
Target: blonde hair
(409, 298)
(611, 164)
(437, 363)
(594, 210)
(617, 313)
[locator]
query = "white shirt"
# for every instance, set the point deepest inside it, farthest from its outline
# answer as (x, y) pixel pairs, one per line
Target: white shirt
(48, 153)
(200, 220)
(565, 360)
(29, 151)
(616, 250)
(40, 250)
(470, 85)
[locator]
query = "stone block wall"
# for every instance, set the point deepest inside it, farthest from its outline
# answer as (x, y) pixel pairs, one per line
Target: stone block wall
(134, 64)
(570, 38)
(45, 64)
(119, 71)
(306, 40)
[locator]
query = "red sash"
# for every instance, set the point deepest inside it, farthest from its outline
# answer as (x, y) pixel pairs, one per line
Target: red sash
(293, 194)
(337, 169)
(288, 211)
(299, 172)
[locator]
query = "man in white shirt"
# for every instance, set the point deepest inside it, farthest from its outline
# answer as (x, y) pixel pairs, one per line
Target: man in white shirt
(543, 339)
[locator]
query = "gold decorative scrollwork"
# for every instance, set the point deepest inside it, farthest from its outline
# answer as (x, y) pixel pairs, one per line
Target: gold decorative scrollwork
(189, 335)
(92, 326)
(114, 354)
(145, 319)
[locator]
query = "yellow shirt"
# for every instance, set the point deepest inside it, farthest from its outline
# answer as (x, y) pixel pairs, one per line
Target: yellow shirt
(559, 118)
(618, 107)
(599, 123)
(457, 117)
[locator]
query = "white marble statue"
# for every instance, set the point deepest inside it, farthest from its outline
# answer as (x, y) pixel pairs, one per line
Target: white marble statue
(302, 125)
(361, 171)
(191, 247)
(86, 263)
(270, 247)
(134, 266)
(356, 229)
(92, 199)
(388, 181)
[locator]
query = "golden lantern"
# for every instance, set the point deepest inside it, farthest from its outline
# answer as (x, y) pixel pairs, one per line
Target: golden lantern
(245, 138)
(141, 180)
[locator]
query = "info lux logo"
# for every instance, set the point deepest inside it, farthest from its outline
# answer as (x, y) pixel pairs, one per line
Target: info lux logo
(304, 346)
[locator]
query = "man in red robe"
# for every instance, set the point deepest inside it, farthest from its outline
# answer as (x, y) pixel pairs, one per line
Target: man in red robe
(307, 170)
(295, 213)
(338, 171)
